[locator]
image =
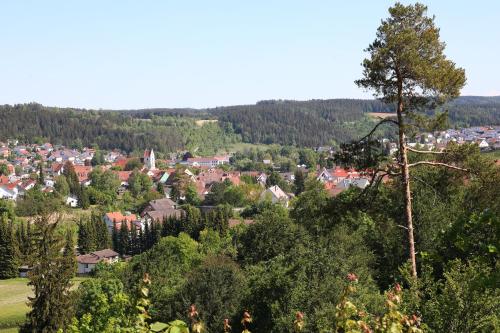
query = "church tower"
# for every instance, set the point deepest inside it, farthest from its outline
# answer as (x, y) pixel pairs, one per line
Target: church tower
(149, 159)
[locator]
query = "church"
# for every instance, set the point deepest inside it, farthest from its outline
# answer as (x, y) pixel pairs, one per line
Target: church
(149, 159)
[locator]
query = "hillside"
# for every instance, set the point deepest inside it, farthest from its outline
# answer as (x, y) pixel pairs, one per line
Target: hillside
(302, 123)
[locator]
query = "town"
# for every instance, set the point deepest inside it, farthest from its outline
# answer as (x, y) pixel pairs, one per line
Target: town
(168, 184)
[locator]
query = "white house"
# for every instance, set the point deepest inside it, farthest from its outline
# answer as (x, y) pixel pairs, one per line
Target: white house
(87, 262)
(9, 191)
(276, 195)
(71, 201)
(483, 145)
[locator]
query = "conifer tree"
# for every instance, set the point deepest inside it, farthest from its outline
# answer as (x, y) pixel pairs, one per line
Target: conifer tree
(103, 239)
(115, 238)
(83, 197)
(406, 68)
(41, 176)
(8, 264)
(69, 253)
(72, 178)
(87, 238)
(299, 182)
(50, 279)
(124, 239)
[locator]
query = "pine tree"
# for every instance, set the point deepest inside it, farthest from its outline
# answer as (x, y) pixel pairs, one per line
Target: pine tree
(69, 253)
(8, 264)
(72, 178)
(115, 237)
(83, 198)
(103, 239)
(124, 239)
(50, 279)
(146, 237)
(407, 68)
(87, 241)
(299, 182)
(41, 177)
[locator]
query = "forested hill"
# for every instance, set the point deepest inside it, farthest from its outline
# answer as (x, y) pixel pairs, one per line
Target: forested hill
(303, 123)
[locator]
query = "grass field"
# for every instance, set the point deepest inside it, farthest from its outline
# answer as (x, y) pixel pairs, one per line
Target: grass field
(13, 297)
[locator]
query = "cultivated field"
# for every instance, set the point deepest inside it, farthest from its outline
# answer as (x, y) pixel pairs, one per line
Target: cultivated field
(382, 115)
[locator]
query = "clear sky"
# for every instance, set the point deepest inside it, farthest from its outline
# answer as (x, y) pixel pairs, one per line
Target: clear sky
(137, 54)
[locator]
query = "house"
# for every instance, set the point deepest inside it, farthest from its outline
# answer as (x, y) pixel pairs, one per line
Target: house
(483, 145)
(24, 270)
(123, 176)
(207, 162)
(83, 171)
(276, 195)
(72, 201)
(9, 191)
(324, 176)
(115, 220)
(262, 179)
(160, 209)
(87, 262)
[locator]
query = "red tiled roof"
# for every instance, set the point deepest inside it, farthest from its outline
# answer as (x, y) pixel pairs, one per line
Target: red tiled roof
(123, 175)
(119, 217)
(4, 180)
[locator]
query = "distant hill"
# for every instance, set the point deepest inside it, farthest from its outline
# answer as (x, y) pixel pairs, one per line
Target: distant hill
(303, 123)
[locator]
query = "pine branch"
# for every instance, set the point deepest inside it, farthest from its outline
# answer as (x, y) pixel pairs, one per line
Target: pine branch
(437, 164)
(383, 121)
(424, 151)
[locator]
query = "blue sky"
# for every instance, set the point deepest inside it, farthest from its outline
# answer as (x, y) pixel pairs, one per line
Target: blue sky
(137, 54)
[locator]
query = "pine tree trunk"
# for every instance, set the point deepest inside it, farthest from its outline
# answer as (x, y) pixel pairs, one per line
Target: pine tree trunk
(405, 172)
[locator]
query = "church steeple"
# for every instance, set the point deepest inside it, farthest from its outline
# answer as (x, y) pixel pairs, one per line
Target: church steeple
(149, 159)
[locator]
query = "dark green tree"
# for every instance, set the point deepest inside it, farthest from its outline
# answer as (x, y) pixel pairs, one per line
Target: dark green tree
(87, 236)
(41, 176)
(124, 239)
(299, 182)
(217, 288)
(69, 256)
(71, 178)
(8, 262)
(50, 279)
(103, 238)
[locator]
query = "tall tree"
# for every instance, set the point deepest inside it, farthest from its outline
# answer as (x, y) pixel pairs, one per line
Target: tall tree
(407, 68)
(41, 176)
(103, 239)
(69, 253)
(50, 278)
(124, 239)
(299, 182)
(72, 178)
(8, 265)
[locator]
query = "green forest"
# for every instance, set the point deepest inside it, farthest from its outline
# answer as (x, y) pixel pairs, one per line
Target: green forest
(305, 124)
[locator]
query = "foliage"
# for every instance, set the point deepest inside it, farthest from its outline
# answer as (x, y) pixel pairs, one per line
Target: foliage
(50, 278)
(8, 262)
(349, 319)
(217, 287)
